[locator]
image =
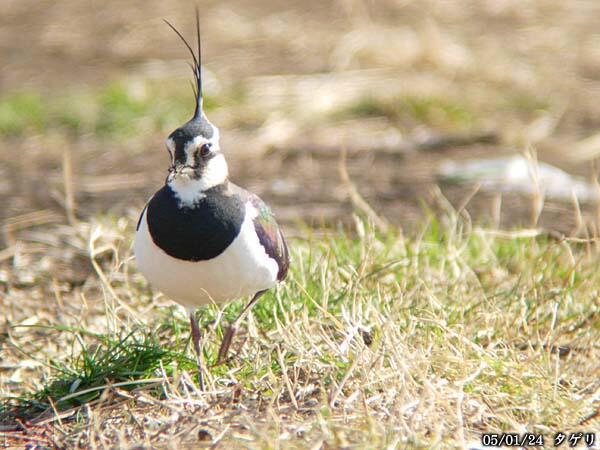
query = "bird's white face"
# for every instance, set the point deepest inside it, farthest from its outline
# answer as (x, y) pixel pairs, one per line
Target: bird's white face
(196, 166)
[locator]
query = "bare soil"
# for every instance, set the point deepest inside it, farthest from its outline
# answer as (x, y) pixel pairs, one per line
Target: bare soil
(316, 81)
(478, 52)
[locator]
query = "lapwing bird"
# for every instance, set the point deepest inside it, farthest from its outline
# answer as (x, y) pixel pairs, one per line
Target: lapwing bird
(201, 239)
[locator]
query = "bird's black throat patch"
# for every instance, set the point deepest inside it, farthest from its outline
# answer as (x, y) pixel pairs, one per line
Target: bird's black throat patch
(195, 233)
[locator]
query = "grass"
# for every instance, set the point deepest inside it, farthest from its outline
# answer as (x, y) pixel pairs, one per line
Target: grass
(422, 340)
(82, 377)
(409, 111)
(115, 111)
(19, 112)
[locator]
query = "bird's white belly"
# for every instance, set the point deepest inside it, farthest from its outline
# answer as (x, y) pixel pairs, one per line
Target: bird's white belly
(244, 268)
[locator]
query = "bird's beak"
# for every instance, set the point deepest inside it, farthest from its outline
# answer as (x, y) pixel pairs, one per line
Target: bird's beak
(178, 170)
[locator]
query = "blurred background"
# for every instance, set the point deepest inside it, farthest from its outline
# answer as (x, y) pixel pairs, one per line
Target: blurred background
(490, 107)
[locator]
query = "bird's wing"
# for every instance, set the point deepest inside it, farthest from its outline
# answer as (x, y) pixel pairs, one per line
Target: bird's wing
(139, 222)
(269, 234)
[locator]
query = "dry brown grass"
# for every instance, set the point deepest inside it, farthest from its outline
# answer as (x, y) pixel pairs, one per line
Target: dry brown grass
(423, 338)
(374, 341)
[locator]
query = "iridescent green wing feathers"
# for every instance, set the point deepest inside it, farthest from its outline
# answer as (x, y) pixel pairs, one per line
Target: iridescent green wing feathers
(270, 236)
(266, 228)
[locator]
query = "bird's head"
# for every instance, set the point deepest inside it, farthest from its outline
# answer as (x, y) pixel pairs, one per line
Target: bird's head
(197, 163)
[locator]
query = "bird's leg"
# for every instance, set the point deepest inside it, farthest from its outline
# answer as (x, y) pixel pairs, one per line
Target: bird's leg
(228, 336)
(196, 343)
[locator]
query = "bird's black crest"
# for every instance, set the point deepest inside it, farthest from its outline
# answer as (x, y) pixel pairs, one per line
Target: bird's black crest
(196, 66)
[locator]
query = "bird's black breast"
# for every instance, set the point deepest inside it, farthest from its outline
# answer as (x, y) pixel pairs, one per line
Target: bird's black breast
(195, 233)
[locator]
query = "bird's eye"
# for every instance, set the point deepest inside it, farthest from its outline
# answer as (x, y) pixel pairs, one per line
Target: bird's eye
(205, 149)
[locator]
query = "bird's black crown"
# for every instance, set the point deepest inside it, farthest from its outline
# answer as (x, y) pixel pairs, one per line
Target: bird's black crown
(191, 130)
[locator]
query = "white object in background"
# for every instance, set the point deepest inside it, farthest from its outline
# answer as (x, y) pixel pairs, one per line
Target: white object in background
(518, 174)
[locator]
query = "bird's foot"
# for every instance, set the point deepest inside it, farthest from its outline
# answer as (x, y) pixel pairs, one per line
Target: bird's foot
(200, 378)
(195, 336)
(225, 344)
